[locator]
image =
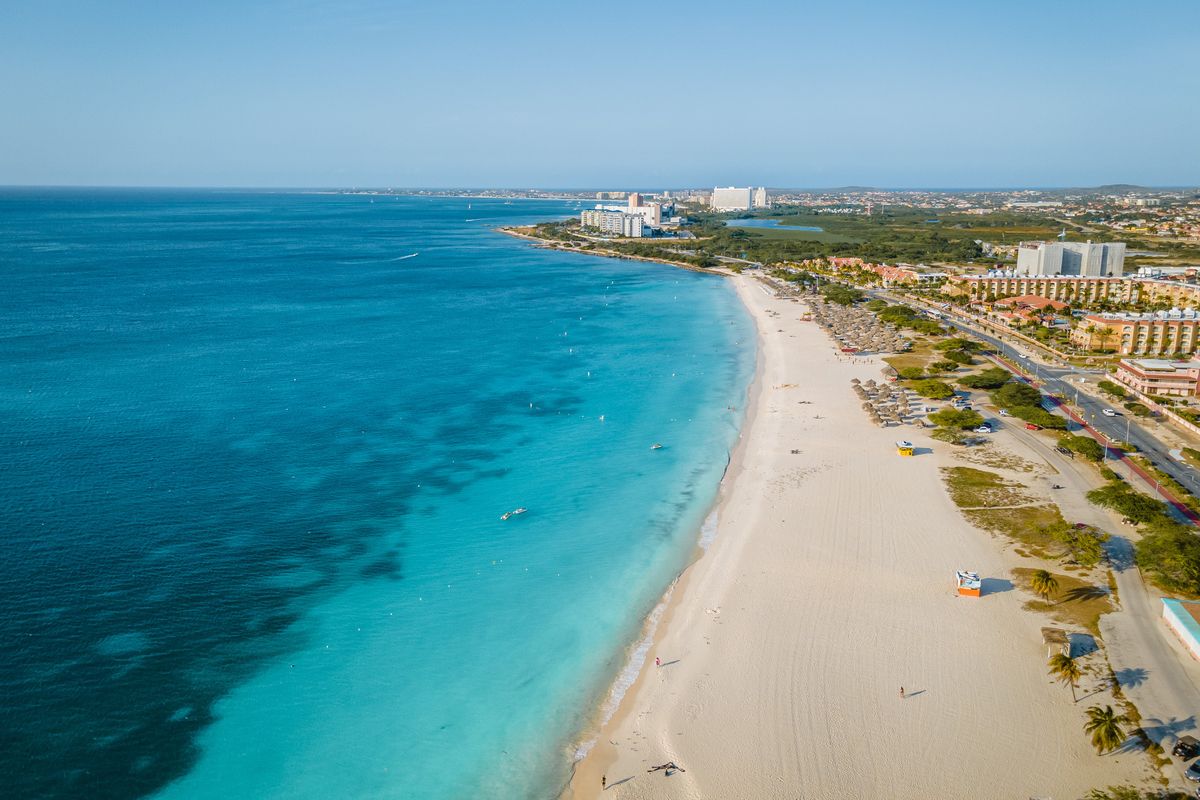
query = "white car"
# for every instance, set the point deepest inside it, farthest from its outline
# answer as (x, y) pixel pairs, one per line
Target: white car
(1004, 413)
(984, 429)
(1108, 412)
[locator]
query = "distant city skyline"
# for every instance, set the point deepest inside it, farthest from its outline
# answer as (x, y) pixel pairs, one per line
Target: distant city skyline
(340, 94)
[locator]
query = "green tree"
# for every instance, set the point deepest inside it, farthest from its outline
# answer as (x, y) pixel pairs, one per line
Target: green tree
(1170, 553)
(1106, 727)
(1115, 389)
(959, 343)
(992, 378)
(933, 389)
(1014, 394)
(1043, 584)
(1067, 671)
(956, 418)
(911, 373)
(1082, 545)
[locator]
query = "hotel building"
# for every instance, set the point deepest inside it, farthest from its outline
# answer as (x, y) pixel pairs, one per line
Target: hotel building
(1072, 258)
(1171, 332)
(1156, 376)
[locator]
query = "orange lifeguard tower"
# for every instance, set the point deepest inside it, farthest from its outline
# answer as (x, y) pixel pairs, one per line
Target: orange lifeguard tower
(969, 583)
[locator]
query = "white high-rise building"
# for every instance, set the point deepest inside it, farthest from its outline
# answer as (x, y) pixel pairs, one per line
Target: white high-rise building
(1072, 258)
(761, 200)
(617, 223)
(731, 198)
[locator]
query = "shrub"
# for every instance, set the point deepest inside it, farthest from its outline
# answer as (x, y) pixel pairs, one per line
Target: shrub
(943, 366)
(1086, 446)
(1132, 505)
(876, 305)
(933, 389)
(1170, 552)
(842, 295)
(992, 378)
(955, 418)
(959, 357)
(911, 373)
(948, 435)
(1038, 416)
(1081, 545)
(959, 343)
(1108, 474)
(1137, 409)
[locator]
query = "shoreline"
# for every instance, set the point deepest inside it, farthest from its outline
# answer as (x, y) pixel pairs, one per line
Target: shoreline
(776, 657)
(553, 244)
(592, 763)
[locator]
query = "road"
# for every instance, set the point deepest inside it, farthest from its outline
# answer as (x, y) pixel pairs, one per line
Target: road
(1065, 382)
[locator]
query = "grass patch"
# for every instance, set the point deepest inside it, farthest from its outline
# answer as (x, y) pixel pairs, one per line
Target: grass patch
(972, 488)
(1077, 602)
(987, 457)
(919, 356)
(1022, 525)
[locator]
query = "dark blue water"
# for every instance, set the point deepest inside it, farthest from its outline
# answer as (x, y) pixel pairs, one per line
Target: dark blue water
(253, 454)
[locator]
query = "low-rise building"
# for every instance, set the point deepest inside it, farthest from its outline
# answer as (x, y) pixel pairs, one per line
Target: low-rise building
(1161, 377)
(1032, 301)
(1171, 332)
(1071, 289)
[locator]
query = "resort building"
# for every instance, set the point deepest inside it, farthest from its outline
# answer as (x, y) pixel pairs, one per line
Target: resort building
(760, 198)
(731, 199)
(1034, 302)
(616, 223)
(1171, 332)
(1072, 258)
(1177, 293)
(1156, 376)
(1076, 291)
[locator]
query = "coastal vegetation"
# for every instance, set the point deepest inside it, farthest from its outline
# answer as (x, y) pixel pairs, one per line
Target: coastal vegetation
(1075, 602)
(1043, 583)
(1085, 446)
(932, 389)
(991, 378)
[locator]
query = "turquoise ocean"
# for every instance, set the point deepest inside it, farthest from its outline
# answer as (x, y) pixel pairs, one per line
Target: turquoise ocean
(254, 452)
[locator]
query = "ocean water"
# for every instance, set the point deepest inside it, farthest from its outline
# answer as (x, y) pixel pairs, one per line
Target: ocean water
(254, 449)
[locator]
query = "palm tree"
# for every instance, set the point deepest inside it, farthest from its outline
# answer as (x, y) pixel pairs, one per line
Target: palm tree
(1043, 584)
(1104, 725)
(1063, 667)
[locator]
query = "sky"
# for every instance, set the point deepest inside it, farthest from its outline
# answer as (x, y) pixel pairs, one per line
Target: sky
(313, 93)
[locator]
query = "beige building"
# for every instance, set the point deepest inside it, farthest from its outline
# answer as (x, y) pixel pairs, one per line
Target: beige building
(1171, 332)
(1156, 376)
(1072, 290)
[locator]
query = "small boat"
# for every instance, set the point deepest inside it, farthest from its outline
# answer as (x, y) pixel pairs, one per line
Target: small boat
(520, 510)
(656, 446)
(504, 517)
(509, 514)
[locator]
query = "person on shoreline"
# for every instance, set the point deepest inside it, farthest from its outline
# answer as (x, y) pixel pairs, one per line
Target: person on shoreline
(901, 692)
(657, 661)
(603, 782)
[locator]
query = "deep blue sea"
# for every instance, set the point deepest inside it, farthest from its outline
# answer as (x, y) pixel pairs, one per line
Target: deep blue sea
(254, 450)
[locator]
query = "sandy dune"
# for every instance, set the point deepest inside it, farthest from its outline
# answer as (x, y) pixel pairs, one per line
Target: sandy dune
(830, 586)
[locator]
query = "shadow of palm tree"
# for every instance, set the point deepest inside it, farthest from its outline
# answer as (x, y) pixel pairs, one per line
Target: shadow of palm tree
(1132, 676)
(1081, 593)
(1161, 731)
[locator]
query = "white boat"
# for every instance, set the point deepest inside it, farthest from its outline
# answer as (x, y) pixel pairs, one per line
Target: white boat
(509, 514)
(656, 446)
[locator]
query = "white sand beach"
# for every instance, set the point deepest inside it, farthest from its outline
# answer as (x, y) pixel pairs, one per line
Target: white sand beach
(830, 586)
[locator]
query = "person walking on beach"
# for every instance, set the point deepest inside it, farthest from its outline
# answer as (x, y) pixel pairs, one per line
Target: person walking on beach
(901, 692)
(603, 782)
(657, 661)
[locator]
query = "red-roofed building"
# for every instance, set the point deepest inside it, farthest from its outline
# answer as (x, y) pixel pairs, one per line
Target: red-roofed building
(1033, 302)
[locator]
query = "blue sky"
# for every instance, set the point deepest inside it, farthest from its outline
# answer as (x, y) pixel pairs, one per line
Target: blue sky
(788, 94)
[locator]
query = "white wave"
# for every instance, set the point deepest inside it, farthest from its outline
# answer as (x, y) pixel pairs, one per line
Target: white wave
(629, 674)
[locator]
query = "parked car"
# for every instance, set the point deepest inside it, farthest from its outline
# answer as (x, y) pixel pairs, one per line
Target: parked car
(1065, 452)
(1192, 773)
(1187, 747)
(1032, 427)
(984, 429)
(1108, 412)
(1004, 413)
